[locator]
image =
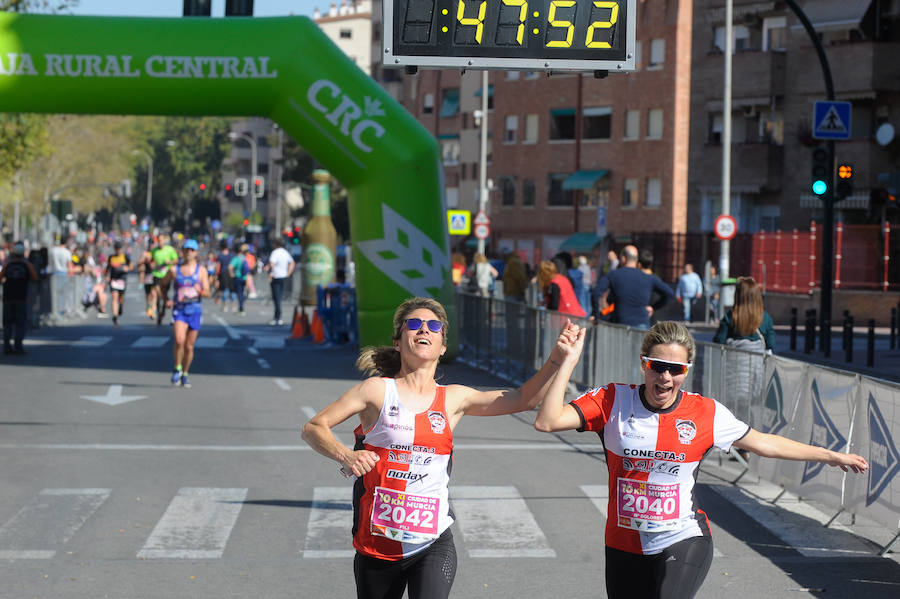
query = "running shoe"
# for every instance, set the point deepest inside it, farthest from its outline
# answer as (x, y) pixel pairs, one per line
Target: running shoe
(184, 381)
(280, 322)
(176, 377)
(116, 320)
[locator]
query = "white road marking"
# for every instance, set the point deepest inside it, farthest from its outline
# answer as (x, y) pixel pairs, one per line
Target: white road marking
(330, 517)
(48, 521)
(308, 411)
(150, 341)
(113, 396)
(210, 342)
(268, 342)
(283, 384)
(263, 363)
(253, 351)
(196, 524)
(92, 341)
(496, 523)
(228, 328)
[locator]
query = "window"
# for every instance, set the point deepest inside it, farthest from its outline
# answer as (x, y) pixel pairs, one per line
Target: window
(597, 123)
(346, 34)
(490, 97)
(452, 197)
(562, 123)
(450, 105)
(531, 129)
(715, 128)
(774, 33)
(654, 193)
(427, 101)
(630, 194)
(450, 150)
(632, 124)
(638, 56)
(528, 192)
(655, 124)
(657, 53)
(556, 195)
(512, 129)
(741, 38)
(512, 75)
(508, 191)
(532, 74)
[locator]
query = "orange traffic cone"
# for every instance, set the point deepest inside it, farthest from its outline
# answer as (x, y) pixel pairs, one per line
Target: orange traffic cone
(300, 326)
(317, 328)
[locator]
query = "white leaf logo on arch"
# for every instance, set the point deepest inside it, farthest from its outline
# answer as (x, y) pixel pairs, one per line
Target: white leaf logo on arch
(407, 256)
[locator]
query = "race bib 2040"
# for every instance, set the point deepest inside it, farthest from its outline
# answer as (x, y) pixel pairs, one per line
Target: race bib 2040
(648, 507)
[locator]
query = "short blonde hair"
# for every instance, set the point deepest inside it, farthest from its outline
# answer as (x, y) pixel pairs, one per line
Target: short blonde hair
(668, 332)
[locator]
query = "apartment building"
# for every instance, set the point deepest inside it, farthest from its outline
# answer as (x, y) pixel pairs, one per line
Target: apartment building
(777, 78)
(350, 25)
(567, 148)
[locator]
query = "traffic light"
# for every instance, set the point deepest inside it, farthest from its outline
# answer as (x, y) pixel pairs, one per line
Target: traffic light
(197, 8)
(296, 237)
(238, 8)
(260, 190)
(821, 170)
(844, 186)
(891, 189)
(203, 187)
(246, 221)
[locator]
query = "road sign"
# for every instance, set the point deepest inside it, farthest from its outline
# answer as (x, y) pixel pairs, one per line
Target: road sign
(725, 227)
(459, 222)
(481, 218)
(831, 120)
(482, 231)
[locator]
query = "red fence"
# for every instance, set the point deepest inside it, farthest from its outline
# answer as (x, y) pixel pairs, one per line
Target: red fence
(790, 262)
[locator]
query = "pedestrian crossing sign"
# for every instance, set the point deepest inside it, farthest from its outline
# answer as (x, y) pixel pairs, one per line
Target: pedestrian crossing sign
(459, 222)
(831, 120)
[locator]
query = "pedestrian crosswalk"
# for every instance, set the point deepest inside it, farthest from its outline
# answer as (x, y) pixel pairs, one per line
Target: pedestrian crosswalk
(153, 342)
(491, 522)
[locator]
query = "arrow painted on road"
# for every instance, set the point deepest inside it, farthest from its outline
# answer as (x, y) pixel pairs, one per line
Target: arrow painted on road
(113, 397)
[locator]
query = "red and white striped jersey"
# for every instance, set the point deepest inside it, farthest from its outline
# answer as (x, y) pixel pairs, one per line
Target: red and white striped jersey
(653, 457)
(402, 505)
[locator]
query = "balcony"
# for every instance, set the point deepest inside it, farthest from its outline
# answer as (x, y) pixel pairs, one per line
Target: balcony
(755, 74)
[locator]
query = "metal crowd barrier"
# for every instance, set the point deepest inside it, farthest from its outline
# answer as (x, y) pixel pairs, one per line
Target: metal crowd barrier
(814, 404)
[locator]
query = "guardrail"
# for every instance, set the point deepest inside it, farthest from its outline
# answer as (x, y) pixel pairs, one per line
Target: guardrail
(814, 404)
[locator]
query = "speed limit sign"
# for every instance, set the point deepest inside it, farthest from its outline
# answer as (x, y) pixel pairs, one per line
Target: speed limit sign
(482, 231)
(725, 227)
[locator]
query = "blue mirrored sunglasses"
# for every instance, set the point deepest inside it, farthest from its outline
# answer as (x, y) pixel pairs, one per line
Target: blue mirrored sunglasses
(414, 324)
(660, 366)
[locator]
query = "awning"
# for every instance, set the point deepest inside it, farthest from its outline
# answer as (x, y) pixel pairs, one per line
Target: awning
(582, 180)
(835, 14)
(450, 106)
(490, 91)
(580, 243)
(562, 112)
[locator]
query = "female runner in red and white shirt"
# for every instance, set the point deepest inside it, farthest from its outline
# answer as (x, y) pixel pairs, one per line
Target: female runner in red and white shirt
(402, 454)
(658, 544)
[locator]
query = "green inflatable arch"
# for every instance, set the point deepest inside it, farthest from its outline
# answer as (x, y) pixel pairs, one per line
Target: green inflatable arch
(285, 69)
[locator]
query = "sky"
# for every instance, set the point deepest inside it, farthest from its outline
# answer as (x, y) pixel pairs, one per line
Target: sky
(173, 8)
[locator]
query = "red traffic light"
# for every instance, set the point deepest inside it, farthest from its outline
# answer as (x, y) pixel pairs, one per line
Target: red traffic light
(228, 187)
(203, 187)
(246, 221)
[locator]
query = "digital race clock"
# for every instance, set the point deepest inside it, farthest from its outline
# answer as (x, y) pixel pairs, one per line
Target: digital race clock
(552, 35)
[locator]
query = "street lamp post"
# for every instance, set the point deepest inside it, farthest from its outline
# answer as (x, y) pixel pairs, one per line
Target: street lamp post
(482, 171)
(149, 177)
(234, 136)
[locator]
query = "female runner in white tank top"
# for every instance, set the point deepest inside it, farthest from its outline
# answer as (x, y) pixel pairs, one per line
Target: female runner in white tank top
(402, 454)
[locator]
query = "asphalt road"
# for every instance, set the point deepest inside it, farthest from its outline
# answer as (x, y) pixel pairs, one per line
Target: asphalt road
(117, 484)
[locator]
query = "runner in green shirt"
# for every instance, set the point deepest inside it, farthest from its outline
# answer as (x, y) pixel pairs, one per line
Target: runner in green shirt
(163, 257)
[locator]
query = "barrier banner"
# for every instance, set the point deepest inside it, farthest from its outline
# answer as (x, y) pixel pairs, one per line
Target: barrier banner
(875, 436)
(713, 360)
(824, 418)
(775, 410)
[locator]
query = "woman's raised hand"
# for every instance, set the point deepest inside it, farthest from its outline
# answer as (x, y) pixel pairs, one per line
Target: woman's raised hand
(569, 343)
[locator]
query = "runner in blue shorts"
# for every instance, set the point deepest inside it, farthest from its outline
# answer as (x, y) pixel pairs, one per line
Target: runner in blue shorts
(191, 285)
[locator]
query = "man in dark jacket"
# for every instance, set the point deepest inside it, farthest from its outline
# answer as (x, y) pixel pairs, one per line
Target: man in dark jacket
(15, 276)
(631, 289)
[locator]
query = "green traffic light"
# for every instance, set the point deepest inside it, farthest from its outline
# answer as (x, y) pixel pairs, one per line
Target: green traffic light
(819, 187)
